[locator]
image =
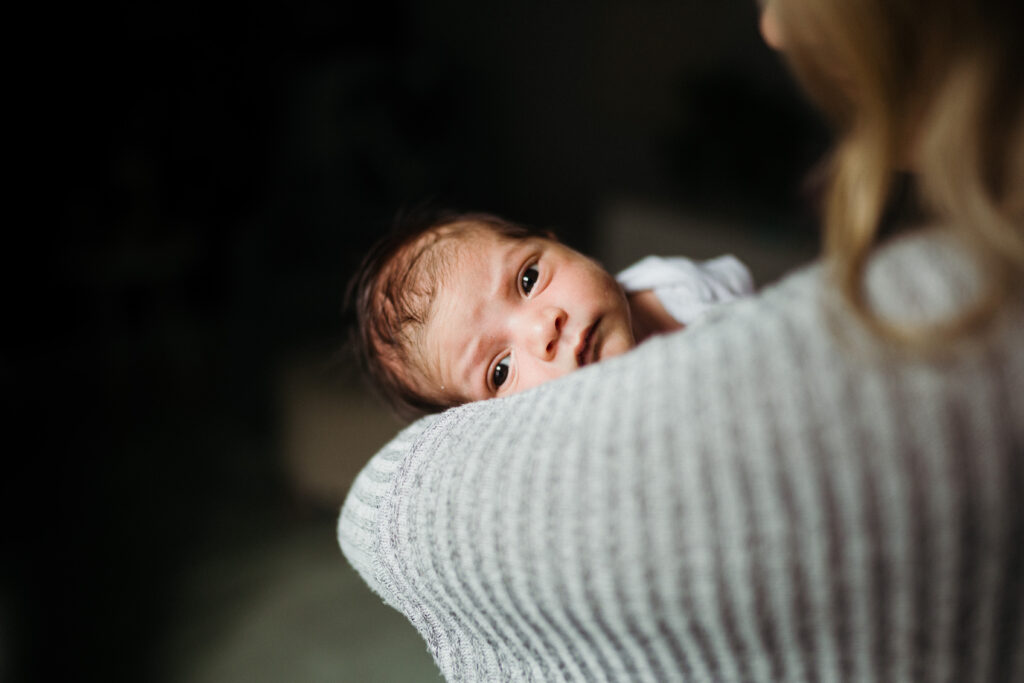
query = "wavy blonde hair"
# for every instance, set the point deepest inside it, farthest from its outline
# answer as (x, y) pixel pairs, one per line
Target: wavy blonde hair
(933, 85)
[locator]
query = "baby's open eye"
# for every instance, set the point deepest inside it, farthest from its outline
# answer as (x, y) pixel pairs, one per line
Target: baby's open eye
(529, 279)
(500, 372)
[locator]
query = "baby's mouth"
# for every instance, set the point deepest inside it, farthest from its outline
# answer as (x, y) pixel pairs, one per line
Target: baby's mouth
(584, 347)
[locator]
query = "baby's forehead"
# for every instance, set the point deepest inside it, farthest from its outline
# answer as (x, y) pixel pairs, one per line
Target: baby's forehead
(426, 271)
(443, 241)
(459, 262)
(471, 235)
(454, 247)
(423, 258)
(460, 273)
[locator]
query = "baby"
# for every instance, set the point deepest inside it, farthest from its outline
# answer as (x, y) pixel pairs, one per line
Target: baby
(462, 307)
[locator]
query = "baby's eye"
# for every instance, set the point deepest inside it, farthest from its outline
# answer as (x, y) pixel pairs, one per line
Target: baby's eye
(529, 279)
(500, 372)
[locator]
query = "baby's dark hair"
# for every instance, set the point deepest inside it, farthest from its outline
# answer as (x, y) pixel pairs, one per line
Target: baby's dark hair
(392, 291)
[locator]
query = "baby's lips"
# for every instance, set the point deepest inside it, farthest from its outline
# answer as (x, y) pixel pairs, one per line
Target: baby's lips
(583, 346)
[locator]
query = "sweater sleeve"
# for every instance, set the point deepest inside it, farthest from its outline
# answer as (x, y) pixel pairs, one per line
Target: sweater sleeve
(372, 489)
(770, 496)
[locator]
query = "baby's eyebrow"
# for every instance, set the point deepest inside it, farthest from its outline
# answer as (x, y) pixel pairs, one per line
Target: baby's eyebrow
(475, 352)
(468, 362)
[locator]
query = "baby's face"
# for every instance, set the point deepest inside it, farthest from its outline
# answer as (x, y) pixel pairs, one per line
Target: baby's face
(512, 314)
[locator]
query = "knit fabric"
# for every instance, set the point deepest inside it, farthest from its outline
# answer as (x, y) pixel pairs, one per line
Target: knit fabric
(770, 496)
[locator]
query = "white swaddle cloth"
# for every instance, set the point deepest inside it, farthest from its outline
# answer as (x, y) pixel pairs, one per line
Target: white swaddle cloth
(686, 288)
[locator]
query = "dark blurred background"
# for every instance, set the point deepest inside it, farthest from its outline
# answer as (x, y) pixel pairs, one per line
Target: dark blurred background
(208, 175)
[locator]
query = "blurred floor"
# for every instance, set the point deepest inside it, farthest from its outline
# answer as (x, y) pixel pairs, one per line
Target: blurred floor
(271, 598)
(290, 610)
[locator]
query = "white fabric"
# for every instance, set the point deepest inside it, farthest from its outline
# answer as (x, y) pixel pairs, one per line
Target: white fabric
(686, 288)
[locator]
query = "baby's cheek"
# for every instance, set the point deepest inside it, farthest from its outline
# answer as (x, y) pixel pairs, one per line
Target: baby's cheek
(617, 345)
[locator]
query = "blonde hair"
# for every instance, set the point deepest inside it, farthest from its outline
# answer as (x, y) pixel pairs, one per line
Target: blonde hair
(929, 84)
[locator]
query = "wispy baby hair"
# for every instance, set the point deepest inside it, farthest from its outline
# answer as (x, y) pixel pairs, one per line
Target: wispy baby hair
(392, 293)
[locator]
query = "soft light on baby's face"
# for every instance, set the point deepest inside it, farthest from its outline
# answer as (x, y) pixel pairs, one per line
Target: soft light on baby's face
(512, 314)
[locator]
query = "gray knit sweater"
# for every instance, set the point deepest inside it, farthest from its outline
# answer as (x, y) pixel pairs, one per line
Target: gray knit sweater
(769, 496)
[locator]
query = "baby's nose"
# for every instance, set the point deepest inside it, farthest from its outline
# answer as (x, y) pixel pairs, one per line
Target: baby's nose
(545, 329)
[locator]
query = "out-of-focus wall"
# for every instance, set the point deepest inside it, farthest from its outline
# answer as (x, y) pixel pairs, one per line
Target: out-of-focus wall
(590, 101)
(629, 229)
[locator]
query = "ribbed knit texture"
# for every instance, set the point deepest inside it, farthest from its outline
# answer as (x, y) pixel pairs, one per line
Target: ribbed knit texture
(769, 496)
